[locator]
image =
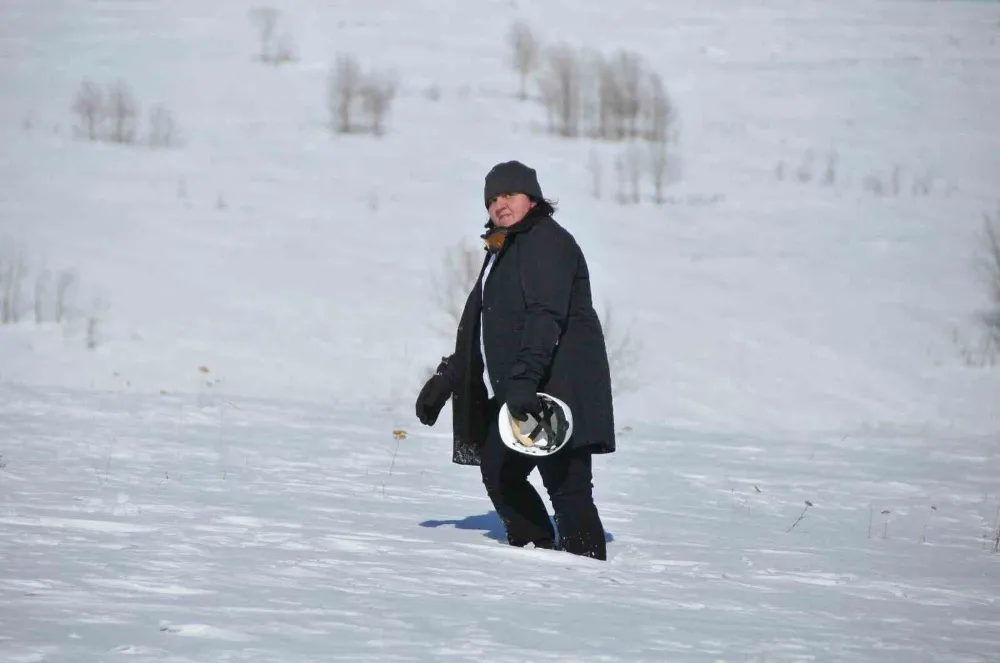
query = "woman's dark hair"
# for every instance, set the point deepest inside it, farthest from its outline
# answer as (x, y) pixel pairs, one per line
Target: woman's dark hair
(544, 206)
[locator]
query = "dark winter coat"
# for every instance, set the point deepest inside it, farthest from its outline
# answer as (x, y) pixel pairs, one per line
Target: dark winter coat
(539, 324)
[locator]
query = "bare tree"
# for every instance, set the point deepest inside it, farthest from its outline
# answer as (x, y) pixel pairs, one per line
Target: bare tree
(608, 96)
(624, 353)
(123, 110)
(524, 53)
(13, 272)
(377, 94)
(659, 110)
(89, 108)
(162, 127)
(627, 70)
(343, 87)
(266, 20)
(592, 65)
(451, 284)
(622, 96)
(560, 85)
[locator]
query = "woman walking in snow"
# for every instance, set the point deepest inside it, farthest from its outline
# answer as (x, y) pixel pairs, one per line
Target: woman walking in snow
(529, 326)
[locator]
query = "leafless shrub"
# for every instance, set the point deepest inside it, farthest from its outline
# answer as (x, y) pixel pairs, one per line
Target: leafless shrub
(433, 92)
(350, 91)
(122, 112)
(620, 90)
(560, 87)
(377, 94)
(113, 116)
(12, 273)
(984, 349)
(624, 352)
(524, 53)
(94, 319)
(991, 319)
(625, 100)
(89, 109)
(451, 284)
(343, 88)
(163, 131)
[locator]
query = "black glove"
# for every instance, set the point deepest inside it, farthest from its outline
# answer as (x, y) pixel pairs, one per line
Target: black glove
(522, 399)
(433, 396)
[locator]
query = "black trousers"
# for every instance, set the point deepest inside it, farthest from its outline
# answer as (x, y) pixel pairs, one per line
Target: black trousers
(568, 479)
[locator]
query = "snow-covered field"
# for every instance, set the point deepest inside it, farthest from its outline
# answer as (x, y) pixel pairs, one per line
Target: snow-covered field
(153, 528)
(218, 478)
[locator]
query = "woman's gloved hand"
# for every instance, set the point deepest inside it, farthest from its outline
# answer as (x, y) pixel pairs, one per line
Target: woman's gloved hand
(522, 399)
(434, 394)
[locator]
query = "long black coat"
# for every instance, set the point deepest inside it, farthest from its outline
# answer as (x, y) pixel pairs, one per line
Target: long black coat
(539, 323)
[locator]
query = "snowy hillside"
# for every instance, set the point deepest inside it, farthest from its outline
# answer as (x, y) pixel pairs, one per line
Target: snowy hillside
(201, 445)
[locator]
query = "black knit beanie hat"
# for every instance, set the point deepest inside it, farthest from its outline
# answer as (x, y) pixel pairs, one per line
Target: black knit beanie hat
(511, 177)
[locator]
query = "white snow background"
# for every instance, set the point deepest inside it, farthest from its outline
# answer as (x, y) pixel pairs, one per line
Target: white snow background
(218, 478)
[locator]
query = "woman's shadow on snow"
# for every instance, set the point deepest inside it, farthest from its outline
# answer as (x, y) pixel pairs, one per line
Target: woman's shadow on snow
(489, 524)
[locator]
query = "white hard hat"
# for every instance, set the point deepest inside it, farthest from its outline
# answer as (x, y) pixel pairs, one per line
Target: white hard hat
(541, 436)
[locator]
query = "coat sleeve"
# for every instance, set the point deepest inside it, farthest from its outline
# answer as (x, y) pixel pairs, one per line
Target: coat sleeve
(547, 267)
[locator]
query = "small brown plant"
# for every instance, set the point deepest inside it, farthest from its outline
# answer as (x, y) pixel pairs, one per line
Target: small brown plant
(801, 516)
